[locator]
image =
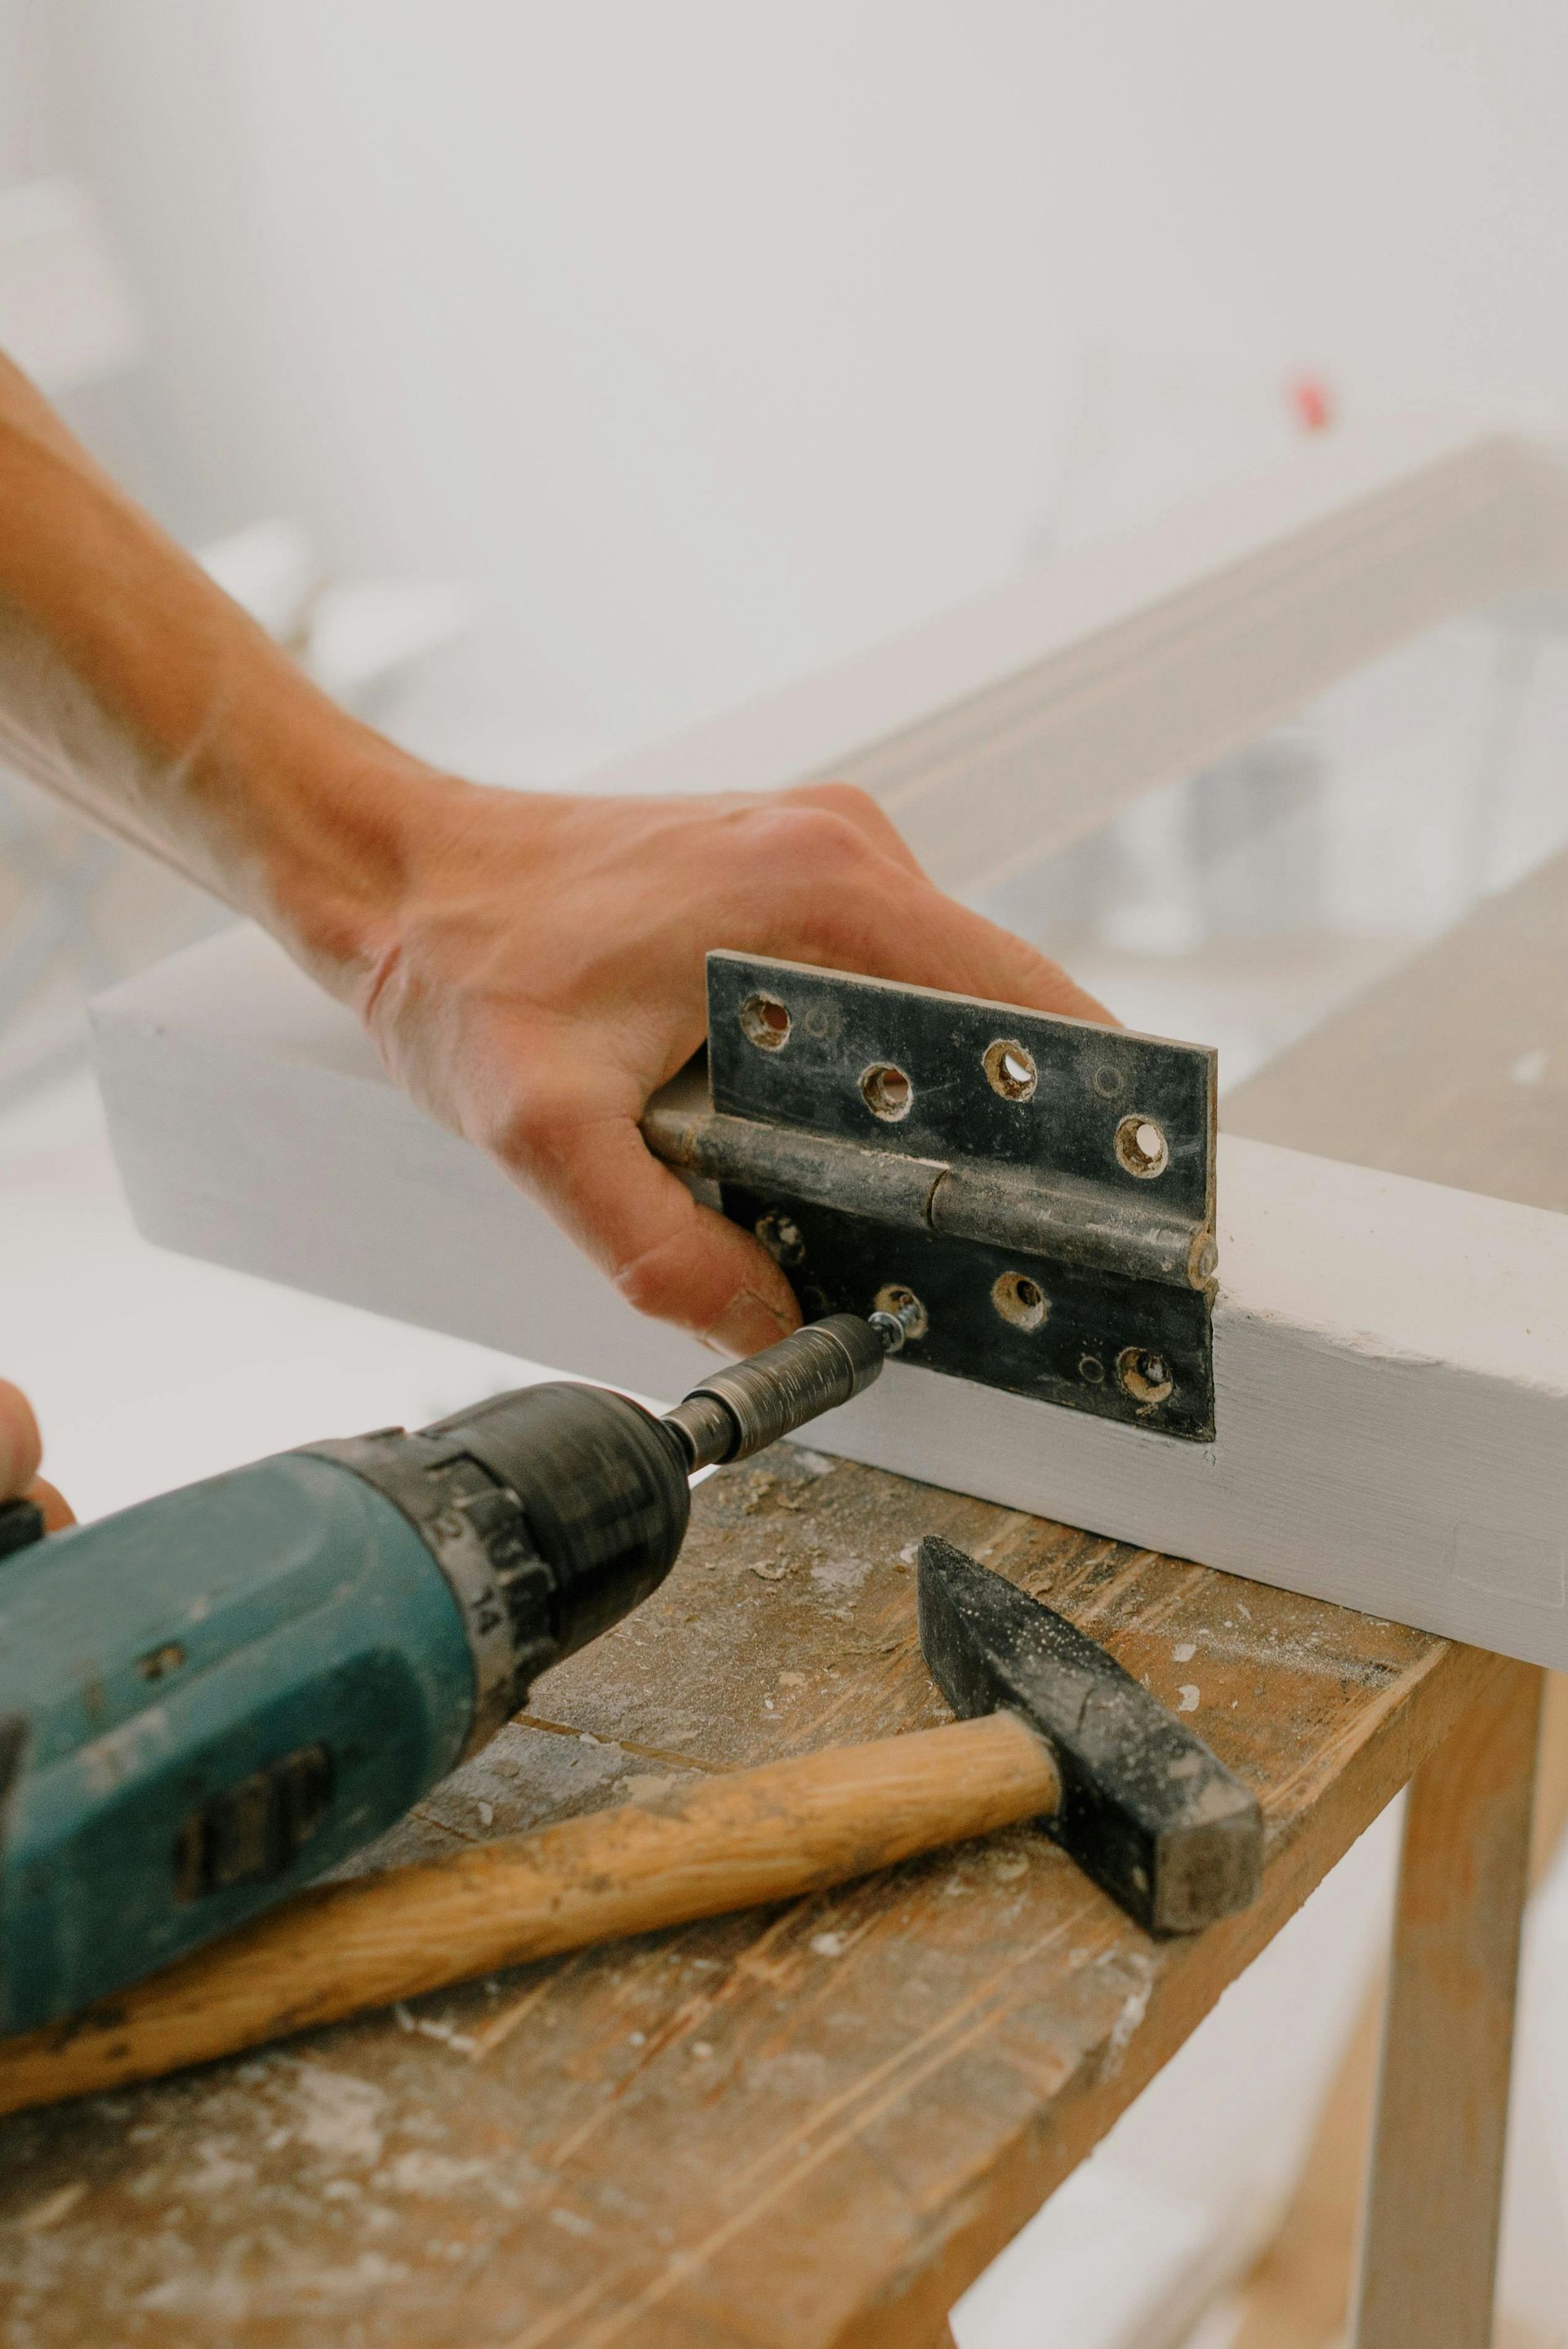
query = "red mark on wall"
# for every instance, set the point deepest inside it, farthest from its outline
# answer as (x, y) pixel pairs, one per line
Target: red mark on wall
(1311, 402)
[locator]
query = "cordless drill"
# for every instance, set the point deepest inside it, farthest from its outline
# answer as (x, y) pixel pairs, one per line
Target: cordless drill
(208, 1699)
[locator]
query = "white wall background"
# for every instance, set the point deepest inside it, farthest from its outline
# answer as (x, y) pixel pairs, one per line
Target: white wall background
(714, 340)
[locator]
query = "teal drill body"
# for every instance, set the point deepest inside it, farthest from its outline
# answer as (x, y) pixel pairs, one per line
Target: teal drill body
(228, 1690)
(209, 1699)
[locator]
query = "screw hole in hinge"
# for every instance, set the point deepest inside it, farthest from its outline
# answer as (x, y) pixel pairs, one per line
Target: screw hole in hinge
(781, 1236)
(1010, 1071)
(1020, 1301)
(887, 1092)
(765, 1022)
(1141, 1147)
(1145, 1376)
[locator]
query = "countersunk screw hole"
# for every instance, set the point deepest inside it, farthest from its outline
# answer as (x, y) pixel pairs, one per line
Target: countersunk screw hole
(781, 1236)
(905, 1308)
(1019, 1299)
(1010, 1071)
(765, 1022)
(1145, 1376)
(1141, 1147)
(887, 1092)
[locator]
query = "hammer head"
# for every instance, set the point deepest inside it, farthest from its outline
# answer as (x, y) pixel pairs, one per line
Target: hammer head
(1146, 1810)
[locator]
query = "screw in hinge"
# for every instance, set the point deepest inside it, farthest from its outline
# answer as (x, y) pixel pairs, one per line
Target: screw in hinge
(898, 1316)
(1144, 1375)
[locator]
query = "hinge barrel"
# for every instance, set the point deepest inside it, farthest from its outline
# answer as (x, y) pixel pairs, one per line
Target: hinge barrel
(1075, 1222)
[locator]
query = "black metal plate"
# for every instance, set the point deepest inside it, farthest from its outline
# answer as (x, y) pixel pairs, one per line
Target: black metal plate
(1088, 1081)
(1071, 1359)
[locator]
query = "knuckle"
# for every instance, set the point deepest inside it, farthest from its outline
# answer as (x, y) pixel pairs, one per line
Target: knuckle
(811, 844)
(532, 1131)
(841, 798)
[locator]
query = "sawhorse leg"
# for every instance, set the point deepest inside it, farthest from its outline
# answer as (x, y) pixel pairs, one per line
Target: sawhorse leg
(1428, 2252)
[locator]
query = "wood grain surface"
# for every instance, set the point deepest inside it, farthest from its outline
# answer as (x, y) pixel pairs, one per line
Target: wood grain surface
(809, 2124)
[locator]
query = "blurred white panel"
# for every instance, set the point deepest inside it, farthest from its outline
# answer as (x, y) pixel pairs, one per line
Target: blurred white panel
(363, 631)
(270, 567)
(65, 313)
(1102, 2280)
(715, 342)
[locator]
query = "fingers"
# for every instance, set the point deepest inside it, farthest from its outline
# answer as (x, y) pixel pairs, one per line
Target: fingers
(893, 923)
(57, 1511)
(20, 1453)
(832, 883)
(20, 1448)
(839, 888)
(666, 1254)
(960, 951)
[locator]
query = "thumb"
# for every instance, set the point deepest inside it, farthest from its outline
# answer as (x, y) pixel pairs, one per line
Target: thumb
(20, 1448)
(57, 1511)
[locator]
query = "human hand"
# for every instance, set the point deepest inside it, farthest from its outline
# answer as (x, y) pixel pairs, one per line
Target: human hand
(20, 1453)
(542, 973)
(530, 965)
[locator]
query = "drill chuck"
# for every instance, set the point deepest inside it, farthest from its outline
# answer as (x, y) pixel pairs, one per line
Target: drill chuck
(552, 1512)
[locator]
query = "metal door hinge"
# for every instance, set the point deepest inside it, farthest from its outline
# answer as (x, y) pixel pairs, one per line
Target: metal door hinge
(1044, 1187)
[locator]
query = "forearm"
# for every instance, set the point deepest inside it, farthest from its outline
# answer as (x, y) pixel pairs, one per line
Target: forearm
(132, 686)
(530, 964)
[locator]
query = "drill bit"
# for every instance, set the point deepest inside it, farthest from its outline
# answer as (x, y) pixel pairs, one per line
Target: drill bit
(750, 1404)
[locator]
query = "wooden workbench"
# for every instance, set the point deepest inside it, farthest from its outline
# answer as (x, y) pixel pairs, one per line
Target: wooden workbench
(815, 2125)
(811, 2125)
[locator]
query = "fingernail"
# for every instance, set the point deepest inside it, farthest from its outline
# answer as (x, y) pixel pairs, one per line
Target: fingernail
(747, 1324)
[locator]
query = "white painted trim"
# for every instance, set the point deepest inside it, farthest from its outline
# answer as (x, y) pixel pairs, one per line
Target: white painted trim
(1391, 1357)
(1028, 716)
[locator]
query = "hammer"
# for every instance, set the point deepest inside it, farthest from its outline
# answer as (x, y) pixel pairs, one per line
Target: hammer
(1050, 1728)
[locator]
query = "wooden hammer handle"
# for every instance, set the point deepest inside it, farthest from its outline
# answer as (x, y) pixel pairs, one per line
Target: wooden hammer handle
(728, 1842)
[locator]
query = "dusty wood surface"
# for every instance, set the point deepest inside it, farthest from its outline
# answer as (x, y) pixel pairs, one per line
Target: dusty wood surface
(1428, 2252)
(812, 2125)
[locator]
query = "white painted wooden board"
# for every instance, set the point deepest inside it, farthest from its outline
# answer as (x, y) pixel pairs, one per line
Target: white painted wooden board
(1391, 1357)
